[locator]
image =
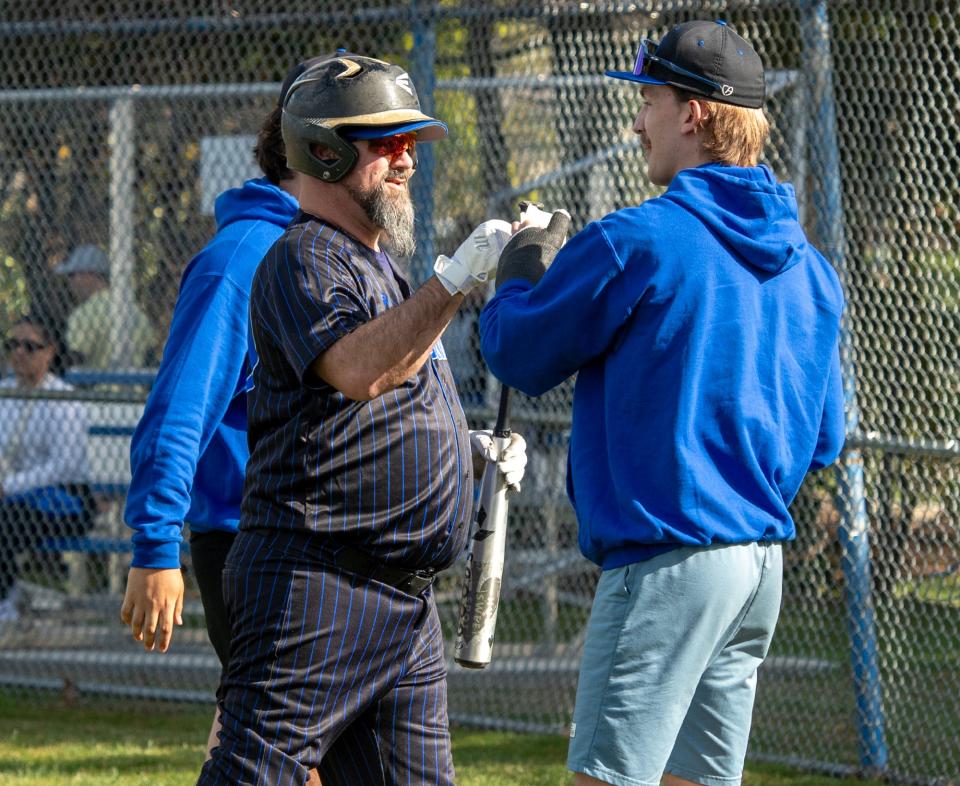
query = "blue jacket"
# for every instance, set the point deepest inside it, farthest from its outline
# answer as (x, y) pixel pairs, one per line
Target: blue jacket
(704, 328)
(189, 451)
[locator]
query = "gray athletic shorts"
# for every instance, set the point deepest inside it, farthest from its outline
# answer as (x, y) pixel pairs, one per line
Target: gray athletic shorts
(669, 667)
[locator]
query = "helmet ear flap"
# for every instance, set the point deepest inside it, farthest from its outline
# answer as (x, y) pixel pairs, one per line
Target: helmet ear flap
(300, 137)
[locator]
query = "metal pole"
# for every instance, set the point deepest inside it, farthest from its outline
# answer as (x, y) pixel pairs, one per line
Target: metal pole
(122, 201)
(855, 524)
(798, 134)
(423, 72)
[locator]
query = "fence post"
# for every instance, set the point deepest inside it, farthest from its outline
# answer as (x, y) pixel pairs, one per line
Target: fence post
(854, 524)
(423, 71)
(122, 202)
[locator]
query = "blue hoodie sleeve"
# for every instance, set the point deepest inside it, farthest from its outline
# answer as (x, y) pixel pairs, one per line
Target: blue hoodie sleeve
(533, 338)
(832, 428)
(198, 376)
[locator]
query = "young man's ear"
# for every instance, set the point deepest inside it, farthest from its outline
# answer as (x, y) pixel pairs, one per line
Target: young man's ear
(697, 115)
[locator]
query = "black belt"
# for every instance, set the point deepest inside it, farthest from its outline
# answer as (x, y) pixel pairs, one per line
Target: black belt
(413, 582)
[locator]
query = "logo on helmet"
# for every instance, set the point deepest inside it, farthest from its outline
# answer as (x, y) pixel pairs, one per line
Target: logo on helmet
(403, 82)
(350, 68)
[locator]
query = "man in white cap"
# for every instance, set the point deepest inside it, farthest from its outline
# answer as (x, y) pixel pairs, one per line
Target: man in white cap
(90, 335)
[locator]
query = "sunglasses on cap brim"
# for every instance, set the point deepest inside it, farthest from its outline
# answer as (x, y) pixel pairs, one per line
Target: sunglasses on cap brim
(647, 55)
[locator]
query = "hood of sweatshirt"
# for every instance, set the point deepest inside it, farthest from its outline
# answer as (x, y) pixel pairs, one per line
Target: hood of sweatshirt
(752, 214)
(255, 200)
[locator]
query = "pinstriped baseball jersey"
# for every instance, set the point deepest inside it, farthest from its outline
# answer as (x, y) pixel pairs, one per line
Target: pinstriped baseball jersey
(392, 475)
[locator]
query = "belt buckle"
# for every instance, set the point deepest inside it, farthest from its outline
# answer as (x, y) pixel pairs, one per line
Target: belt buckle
(418, 581)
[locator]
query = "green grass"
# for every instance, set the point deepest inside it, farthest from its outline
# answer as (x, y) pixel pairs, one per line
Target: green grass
(932, 589)
(521, 620)
(919, 659)
(43, 743)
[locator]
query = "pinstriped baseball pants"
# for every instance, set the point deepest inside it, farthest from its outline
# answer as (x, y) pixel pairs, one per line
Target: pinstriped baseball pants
(327, 670)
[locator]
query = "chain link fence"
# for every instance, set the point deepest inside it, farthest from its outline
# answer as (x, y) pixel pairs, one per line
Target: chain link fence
(122, 120)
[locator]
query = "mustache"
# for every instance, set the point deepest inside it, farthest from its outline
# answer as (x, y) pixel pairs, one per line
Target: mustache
(398, 174)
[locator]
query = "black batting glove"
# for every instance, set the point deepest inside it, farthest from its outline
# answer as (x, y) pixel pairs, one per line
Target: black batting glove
(531, 251)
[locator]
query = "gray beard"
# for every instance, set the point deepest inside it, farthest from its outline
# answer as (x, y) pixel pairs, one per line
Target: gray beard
(393, 214)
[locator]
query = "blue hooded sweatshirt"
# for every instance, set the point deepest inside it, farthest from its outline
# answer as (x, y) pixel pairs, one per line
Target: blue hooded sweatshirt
(703, 329)
(189, 451)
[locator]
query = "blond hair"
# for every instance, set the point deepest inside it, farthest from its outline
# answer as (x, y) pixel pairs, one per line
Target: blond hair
(733, 135)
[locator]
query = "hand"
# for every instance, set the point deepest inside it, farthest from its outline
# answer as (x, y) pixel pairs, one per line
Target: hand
(475, 259)
(512, 460)
(153, 603)
(533, 215)
(532, 249)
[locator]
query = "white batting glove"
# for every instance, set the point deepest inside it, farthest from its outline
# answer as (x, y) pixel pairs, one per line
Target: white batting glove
(511, 462)
(475, 260)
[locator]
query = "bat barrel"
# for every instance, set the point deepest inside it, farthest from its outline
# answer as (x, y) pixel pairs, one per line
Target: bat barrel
(480, 600)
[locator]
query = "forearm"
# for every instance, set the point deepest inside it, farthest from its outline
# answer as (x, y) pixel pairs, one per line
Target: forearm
(209, 336)
(383, 353)
(529, 344)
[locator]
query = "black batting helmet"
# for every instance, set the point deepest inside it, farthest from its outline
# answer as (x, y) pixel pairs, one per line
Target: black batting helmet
(343, 94)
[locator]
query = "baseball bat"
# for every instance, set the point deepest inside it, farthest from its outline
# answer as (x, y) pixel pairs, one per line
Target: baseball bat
(480, 599)
(481, 582)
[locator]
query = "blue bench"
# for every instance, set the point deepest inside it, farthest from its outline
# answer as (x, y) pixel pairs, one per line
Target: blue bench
(109, 491)
(111, 424)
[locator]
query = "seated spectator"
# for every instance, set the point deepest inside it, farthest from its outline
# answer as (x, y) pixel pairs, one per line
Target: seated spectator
(43, 455)
(90, 335)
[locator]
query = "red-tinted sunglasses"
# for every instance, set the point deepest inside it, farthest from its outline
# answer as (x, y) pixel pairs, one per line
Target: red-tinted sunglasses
(393, 146)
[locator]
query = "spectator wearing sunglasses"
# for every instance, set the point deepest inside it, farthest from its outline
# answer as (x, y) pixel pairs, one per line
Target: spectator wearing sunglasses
(704, 327)
(43, 455)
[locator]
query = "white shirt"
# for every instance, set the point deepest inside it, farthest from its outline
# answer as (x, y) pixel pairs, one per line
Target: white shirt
(43, 442)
